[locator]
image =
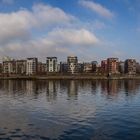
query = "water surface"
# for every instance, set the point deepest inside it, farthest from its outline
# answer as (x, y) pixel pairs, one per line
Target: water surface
(70, 110)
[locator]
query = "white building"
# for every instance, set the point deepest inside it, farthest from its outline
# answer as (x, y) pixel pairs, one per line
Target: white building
(31, 66)
(51, 64)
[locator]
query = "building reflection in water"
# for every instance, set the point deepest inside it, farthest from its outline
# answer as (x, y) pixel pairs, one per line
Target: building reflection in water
(51, 90)
(32, 88)
(131, 86)
(114, 87)
(110, 87)
(95, 86)
(13, 87)
(71, 87)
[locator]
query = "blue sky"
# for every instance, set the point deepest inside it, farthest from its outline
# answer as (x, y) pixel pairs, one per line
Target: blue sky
(90, 29)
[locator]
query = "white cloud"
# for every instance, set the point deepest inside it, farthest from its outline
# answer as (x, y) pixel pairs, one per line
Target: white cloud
(50, 15)
(19, 36)
(73, 36)
(14, 25)
(96, 7)
(19, 24)
(59, 42)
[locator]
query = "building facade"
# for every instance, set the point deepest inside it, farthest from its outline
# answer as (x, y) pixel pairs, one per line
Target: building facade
(104, 66)
(21, 67)
(72, 62)
(63, 67)
(41, 68)
(51, 64)
(88, 68)
(94, 66)
(112, 65)
(9, 67)
(121, 67)
(31, 66)
(138, 68)
(80, 67)
(130, 66)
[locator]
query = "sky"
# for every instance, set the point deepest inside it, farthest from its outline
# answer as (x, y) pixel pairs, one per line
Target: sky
(89, 29)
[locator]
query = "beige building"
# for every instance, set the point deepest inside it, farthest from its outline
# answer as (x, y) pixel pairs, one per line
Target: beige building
(21, 67)
(72, 62)
(87, 68)
(9, 67)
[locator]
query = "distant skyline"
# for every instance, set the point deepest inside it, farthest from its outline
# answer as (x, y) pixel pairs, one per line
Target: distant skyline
(89, 29)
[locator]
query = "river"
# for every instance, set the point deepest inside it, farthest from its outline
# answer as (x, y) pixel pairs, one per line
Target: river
(70, 109)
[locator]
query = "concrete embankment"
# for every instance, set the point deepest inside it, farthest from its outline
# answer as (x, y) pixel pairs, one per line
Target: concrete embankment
(70, 77)
(53, 78)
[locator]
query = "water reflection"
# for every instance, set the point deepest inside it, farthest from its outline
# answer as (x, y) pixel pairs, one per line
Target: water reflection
(51, 90)
(69, 109)
(71, 87)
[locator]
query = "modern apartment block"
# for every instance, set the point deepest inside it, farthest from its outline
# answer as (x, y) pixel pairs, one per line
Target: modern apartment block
(51, 64)
(41, 68)
(21, 67)
(87, 68)
(31, 66)
(104, 66)
(63, 67)
(72, 62)
(112, 65)
(130, 66)
(9, 67)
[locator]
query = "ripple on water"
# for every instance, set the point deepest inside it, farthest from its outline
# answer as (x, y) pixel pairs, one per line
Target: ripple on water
(71, 110)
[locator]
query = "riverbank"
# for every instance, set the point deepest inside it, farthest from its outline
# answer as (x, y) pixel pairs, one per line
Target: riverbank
(69, 77)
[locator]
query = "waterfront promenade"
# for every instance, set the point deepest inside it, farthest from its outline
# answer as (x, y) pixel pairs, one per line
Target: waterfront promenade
(71, 77)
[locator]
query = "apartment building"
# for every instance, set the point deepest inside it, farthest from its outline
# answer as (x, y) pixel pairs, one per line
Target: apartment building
(31, 66)
(112, 65)
(72, 62)
(51, 64)
(130, 66)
